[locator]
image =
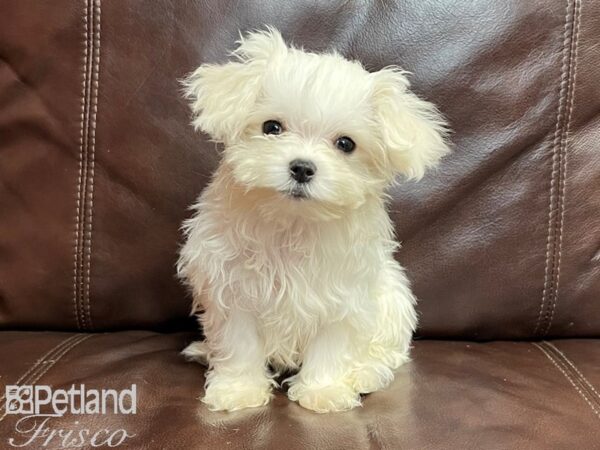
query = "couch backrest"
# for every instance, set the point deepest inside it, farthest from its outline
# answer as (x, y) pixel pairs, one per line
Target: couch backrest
(98, 163)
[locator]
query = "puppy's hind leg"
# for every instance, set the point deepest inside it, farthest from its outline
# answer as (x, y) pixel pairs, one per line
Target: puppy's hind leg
(386, 348)
(197, 351)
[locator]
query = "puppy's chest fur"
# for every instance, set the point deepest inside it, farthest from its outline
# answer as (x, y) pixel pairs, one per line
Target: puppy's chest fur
(292, 277)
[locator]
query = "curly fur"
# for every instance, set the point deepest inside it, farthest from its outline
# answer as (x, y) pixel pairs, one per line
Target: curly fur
(306, 284)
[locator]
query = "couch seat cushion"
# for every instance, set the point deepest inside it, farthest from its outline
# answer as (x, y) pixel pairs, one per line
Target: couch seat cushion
(452, 395)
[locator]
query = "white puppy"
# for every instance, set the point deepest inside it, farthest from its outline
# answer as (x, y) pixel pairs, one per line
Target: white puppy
(290, 253)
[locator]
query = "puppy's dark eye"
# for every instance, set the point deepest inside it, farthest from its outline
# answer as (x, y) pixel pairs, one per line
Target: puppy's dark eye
(345, 144)
(272, 127)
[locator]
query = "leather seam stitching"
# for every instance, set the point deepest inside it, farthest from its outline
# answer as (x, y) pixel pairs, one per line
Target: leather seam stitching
(41, 359)
(576, 379)
(92, 155)
(82, 240)
(78, 208)
(89, 23)
(550, 264)
(44, 363)
(562, 176)
(51, 363)
(90, 75)
(82, 269)
(582, 379)
(564, 372)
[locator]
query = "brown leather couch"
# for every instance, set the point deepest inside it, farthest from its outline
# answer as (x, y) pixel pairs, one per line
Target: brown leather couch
(98, 164)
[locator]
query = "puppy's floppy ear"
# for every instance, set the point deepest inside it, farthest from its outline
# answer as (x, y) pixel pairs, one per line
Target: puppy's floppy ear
(414, 132)
(222, 96)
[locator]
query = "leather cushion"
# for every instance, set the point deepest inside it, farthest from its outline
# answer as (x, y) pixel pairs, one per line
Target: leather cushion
(452, 395)
(98, 163)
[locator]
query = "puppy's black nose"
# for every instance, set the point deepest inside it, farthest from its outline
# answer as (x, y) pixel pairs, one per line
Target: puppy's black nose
(302, 170)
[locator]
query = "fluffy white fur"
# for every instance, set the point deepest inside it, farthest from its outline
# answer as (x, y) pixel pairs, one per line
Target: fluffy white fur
(308, 284)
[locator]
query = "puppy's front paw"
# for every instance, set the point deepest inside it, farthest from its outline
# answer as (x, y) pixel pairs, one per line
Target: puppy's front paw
(231, 394)
(322, 399)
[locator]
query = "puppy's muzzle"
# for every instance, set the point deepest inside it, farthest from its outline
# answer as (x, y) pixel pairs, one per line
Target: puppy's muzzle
(302, 171)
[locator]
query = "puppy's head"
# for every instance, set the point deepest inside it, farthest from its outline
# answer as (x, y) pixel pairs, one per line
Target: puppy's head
(314, 131)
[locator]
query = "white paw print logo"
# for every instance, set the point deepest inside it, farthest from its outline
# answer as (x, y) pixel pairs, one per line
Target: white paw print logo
(19, 399)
